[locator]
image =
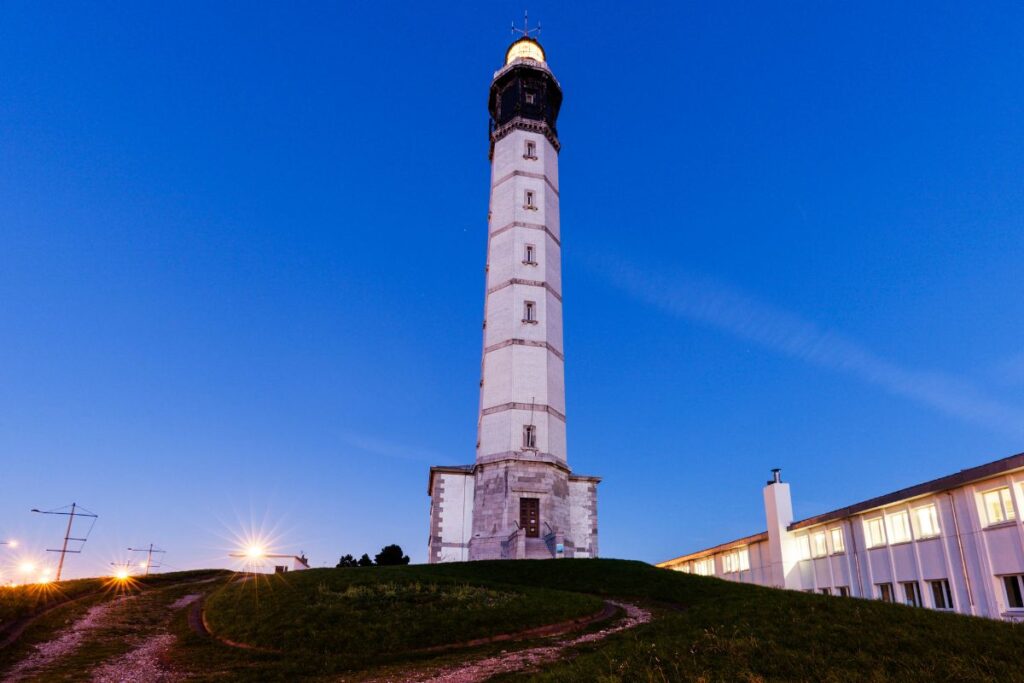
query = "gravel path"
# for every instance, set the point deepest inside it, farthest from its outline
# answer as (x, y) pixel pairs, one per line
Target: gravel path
(142, 664)
(521, 660)
(67, 642)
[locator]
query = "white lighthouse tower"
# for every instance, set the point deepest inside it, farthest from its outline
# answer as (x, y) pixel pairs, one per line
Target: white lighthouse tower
(520, 499)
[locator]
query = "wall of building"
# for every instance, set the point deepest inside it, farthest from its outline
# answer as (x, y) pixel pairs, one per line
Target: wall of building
(451, 517)
(971, 549)
(583, 516)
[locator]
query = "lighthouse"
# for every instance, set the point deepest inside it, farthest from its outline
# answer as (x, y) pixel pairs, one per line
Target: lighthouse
(519, 500)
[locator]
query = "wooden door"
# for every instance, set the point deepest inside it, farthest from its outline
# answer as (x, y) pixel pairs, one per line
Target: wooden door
(529, 516)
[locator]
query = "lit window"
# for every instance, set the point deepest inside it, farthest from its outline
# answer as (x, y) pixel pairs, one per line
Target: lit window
(899, 527)
(530, 255)
(803, 544)
(884, 592)
(1014, 591)
(941, 595)
(844, 591)
(531, 150)
(874, 529)
(998, 505)
(529, 312)
(838, 546)
(704, 567)
(530, 200)
(818, 548)
(530, 436)
(730, 562)
(912, 593)
(927, 520)
(744, 559)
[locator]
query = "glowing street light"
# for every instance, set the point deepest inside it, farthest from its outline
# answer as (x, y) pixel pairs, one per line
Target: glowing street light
(121, 574)
(27, 567)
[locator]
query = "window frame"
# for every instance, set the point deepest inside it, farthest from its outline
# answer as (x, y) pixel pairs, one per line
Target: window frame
(804, 546)
(869, 536)
(843, 591)
(905, 516)
(530, 312)
(1009, 513)
(529, 437)
(941, 588)
(817, 551)
(530, 149)
(1016, 595)
(833, 533)
(885, 592)
(911, 593)
(933, 517)
(529, 254)
(530, 200)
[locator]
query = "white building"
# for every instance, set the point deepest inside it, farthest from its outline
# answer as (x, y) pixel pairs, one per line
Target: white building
(520, 499)
(955, 543)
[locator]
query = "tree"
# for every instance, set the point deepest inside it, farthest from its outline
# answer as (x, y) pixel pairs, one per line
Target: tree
(365, 561)
(348, 561)
(391, 554)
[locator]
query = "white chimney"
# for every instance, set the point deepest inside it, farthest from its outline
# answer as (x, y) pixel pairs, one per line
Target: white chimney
(782, 551)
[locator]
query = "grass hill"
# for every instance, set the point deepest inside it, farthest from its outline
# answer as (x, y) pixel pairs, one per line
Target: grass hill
(325, 621)
(392, 623)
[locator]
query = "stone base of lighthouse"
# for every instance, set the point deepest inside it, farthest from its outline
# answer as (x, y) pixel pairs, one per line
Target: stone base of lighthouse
(511, 509)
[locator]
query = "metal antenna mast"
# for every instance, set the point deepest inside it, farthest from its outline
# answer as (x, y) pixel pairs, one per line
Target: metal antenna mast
(76, 511)
(149, 555)
(526, 31)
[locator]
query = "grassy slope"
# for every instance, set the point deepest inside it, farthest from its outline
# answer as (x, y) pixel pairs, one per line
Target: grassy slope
(705, 629)
(354, 617)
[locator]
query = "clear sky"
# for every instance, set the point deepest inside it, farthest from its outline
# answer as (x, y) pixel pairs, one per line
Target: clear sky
(242, 251)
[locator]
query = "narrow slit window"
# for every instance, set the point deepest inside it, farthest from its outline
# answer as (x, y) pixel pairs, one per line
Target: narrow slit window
(531, 199)
(530, 255)
(530, 436)
(531, 150)
(529, 312)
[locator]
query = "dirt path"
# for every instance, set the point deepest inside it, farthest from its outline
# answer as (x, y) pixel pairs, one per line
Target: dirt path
(94, 646)
(521, 660)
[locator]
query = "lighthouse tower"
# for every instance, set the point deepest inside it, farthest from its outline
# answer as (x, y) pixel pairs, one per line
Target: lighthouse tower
(520, 499)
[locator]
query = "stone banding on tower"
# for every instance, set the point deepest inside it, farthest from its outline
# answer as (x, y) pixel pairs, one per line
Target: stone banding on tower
(520, 499)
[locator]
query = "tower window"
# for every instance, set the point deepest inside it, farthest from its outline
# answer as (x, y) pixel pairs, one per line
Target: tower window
(529, 312)
(530, 255)
(530, 437)
(531, 150)
(530, 200)
(531, 97)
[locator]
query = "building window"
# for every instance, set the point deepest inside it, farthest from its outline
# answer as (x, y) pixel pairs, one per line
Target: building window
(838, 546)
(530, 437)
(730, 562)
(926, 519)
(844, 591)
(912, 593)
(803, 544)
(530, 201)
(884, 592)
(825, 591)
(941, 595)
(874, 530)
(998, 505)
(530, 255)
(818, 548)
(1014, 591)
(529, 312)
(744, 555)
(899, 527)
(531, 150)
(704, 567)
(531, 97)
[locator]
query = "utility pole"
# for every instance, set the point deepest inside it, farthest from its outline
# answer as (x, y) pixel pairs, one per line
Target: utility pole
(149, 555)
(76, 511)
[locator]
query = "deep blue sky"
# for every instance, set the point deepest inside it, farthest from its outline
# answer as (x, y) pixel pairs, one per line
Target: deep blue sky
(242, 250)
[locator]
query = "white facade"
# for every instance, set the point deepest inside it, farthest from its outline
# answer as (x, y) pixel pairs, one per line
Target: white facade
(955, 543)
(520, 499)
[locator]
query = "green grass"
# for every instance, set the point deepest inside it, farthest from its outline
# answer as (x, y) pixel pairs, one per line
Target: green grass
(704, 629)
(354, 617)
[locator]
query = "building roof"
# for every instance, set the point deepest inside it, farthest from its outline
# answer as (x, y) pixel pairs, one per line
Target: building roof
(447, 469)
(952, 481)
(746, 540)
(967, 476)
